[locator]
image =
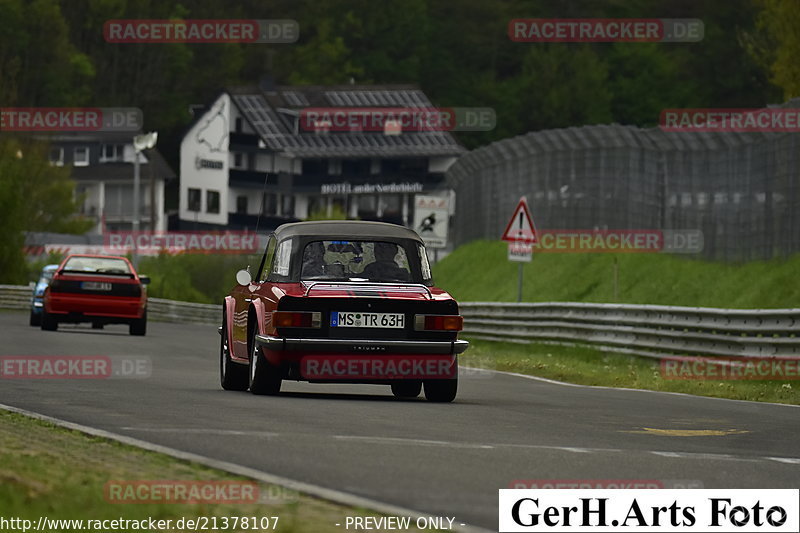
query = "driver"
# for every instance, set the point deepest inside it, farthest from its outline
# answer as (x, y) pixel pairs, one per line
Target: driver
(384, 267)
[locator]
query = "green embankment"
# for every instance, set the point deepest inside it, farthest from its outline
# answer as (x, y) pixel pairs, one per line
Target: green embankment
(480, 271)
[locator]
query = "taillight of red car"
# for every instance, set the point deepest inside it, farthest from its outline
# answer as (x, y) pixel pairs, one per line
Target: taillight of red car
(438, 322)
(296, 319)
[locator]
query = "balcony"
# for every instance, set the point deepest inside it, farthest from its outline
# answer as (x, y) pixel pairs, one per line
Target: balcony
(249, 179)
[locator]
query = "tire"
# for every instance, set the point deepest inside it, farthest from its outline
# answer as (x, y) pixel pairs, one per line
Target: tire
(49, 323)
(232, 376)
(441, 390)
(139, 326)
(407, 389)
(35, 320)
(97, 325)
(264, 377)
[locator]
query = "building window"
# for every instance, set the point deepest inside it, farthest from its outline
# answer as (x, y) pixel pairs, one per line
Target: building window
(238, 124)
(237, 160)
(194, 199)
(112, 152)
(270, 203)
(356, 167)
(81, 157)
(241, 205)
(405, 167)
(212, 201)
(57, 157)
(315, 167)
(287, 207)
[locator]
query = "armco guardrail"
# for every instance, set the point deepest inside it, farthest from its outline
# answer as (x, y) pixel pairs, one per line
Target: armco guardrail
(650, 330)
(16, 297)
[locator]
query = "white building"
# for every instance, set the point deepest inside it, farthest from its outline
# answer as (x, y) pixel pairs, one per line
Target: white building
(250, 140)
(102, 167)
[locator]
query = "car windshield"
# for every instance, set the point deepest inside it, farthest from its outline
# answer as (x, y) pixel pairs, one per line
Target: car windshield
(378, 261)
(46, 276)
(99, 265)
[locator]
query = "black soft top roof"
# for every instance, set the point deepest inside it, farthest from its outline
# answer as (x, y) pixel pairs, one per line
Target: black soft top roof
(346, 229)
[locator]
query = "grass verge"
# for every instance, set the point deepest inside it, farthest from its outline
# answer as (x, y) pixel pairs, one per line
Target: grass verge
(57, 473)
(587, 366)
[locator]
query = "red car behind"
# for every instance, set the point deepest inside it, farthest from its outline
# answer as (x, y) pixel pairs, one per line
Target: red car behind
(98, 289)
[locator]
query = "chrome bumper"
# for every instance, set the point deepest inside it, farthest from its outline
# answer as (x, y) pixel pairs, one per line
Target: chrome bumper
(358, 346)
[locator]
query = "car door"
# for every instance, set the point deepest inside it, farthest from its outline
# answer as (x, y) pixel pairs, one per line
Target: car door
(243, 296)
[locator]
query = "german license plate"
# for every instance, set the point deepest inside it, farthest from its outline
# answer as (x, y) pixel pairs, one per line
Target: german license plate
(95, 286)
(349, 319)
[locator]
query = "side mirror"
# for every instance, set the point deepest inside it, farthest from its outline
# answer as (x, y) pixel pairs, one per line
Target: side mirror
(145, 280)
(243, 277)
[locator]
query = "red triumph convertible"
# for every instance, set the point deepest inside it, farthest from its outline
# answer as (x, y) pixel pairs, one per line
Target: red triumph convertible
(341, 302)
(99, 289)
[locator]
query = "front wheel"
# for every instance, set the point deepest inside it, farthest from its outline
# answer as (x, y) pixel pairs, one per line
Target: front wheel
(139, 326)
(265, 378)
(232, 376)
(36, 319)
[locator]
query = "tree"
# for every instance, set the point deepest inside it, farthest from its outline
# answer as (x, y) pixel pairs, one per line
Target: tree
(34, 196)
(776, 43)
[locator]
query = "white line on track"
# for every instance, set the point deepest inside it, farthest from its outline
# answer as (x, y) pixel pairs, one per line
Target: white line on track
(566, 384)
(399, 441)
(203, 431)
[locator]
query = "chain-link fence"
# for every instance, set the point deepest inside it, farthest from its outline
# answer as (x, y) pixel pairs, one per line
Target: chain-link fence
(742, 190)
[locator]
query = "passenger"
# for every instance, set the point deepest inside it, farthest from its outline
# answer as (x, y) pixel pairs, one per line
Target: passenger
(313, 261)
(384, 268)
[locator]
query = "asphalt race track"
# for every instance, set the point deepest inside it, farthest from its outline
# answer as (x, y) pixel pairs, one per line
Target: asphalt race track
(442, 459)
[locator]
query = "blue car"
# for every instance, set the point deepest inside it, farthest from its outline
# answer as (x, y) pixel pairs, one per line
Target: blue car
(38, 292)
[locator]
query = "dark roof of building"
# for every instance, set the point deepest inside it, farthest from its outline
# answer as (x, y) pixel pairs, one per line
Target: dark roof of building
(111, 171)
(355, 229)
(124, 171)
(272, 111)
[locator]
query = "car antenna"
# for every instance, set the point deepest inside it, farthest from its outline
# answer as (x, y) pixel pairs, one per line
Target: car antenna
(260, 210)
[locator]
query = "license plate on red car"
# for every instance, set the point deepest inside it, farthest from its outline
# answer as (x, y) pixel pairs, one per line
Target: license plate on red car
(95, 286)
(354, 319)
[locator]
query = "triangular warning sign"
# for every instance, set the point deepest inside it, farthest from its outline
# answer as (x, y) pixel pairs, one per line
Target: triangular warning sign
(520, 228)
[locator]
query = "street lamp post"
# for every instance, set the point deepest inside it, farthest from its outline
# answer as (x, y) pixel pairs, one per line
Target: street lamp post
(140, 143)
